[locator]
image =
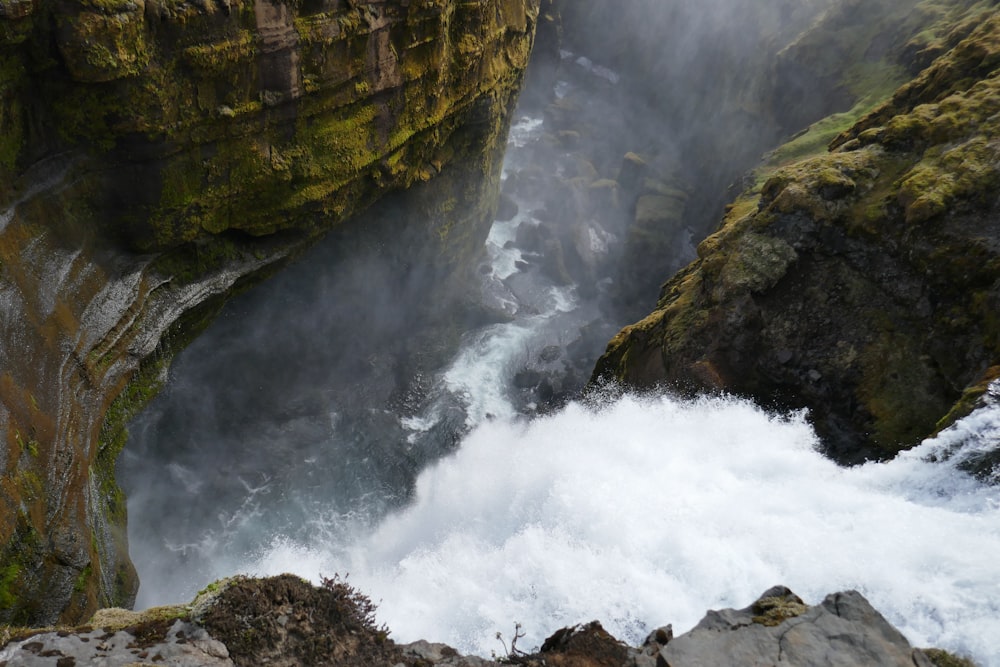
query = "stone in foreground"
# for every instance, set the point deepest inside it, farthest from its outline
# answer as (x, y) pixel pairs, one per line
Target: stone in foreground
(286, 621)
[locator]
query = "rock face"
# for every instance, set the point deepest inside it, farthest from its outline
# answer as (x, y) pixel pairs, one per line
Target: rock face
(779, 629)
(286, 621)
(696, 100)
(155, 156)
(862, 283)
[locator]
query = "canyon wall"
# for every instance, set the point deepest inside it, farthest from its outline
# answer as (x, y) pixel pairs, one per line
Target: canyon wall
(155, 157)
(860, 281)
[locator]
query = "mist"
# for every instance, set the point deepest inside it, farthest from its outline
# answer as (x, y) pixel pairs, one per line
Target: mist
(347, 415)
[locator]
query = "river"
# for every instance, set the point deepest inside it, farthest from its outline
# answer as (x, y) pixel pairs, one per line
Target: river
(485, 495)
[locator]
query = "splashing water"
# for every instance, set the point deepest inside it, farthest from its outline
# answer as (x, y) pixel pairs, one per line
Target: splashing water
(639, 512)
(649, 510)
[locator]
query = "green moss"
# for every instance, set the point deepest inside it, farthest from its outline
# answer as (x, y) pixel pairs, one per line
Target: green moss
(29, 445)
(12, 77)
(213, 587)
(941, 658)
(20, 559)
(219, 57)
(965, 172)
(81, 116)
(83, 580)
(100, 46)
(144, 385)
(756, 262)
(776, 610)
(970, 399)
(9, 575)
(109, 7)
(30, 485)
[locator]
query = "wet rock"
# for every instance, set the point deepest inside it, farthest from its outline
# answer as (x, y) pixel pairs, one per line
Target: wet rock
(497, 299)
(507, 209)
(605, 200)
(632, 173)
(531, 236)
(189, 148)
(569, 139)
(550, 353)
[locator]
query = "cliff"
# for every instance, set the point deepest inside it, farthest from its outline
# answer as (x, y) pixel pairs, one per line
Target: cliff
(155, 157)
(861, 281)
(705, 88)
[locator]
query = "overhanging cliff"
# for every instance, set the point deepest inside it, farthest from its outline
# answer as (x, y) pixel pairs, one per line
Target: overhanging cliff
(156, 156)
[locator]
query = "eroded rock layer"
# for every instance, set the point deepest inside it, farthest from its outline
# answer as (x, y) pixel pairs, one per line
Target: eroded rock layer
(154, 156)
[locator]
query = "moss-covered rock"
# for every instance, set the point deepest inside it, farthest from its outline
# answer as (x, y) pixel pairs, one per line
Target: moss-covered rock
(157, 156)
(862, 283)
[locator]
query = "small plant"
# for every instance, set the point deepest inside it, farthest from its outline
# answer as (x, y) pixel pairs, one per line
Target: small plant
(512, 654)
(356, 609)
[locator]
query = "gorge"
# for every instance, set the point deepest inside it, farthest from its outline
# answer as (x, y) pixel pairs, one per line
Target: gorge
(410, 400)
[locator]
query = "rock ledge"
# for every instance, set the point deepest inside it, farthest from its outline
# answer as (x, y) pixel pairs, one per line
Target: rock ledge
(286, 621)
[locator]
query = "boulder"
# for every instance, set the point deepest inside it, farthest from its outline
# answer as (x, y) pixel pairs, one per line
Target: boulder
(778, 628)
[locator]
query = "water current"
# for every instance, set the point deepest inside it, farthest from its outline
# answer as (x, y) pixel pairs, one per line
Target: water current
(468, 512)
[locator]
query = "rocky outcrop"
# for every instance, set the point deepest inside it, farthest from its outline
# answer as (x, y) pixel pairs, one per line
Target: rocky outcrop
(862, 283)
(284, 620)
(154, 157)
(779, 628)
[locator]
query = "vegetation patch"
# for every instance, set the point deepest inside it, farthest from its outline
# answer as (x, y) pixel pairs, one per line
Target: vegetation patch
(942, 658)
(772, 611)
(260, 620)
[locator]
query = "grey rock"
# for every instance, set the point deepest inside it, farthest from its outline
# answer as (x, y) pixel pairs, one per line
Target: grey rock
(185, 645)
(440, 654)
(843, 631)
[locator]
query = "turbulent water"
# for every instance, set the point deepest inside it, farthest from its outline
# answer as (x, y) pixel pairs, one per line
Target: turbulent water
(638, 511)
(649, 510)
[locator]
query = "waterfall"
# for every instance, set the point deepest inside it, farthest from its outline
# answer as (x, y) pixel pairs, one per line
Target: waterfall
(472, 507)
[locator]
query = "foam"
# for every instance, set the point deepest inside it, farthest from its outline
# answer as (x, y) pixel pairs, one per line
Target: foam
(649, 511)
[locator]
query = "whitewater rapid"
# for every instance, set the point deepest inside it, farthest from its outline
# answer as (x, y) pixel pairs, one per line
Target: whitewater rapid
(647, 511)
(636, 511)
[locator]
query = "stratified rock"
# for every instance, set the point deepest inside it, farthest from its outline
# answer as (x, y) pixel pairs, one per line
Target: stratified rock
(157, 155)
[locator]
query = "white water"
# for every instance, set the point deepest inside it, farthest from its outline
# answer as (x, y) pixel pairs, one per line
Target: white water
(649, 511)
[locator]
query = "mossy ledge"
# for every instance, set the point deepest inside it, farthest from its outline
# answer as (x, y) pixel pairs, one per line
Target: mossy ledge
(155, 157)
(860, 282)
